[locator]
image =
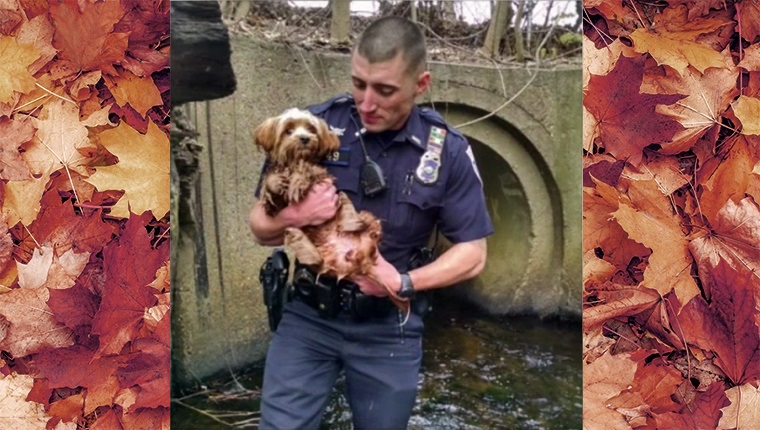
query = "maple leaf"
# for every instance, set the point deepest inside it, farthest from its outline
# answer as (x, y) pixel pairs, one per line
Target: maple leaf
(625, 118)
(705, 414)
(598, 388)
(108, 421)
(142, 171)
(22, 199)
(731, 179)
(59, 226)
(14, 133)
(33, 327)
(747, 109)
(735, 238)
(148, 369)
(653, 385)
(617, 300)
(34, 274)
(743, 411)
(751, 60)
(84, 34)
(60, 136)
(750, 19)
(154, 419)
(604, 234)
(78, 366)
(649, 221)
(671, 40)
(141, 93)
(10, 17)
(39, 33)
(727, 325)
(15, 412)
(14, 75)
(709, 95)
(126, 293)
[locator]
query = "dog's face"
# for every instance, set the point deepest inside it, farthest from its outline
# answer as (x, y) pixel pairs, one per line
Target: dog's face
(295, 135)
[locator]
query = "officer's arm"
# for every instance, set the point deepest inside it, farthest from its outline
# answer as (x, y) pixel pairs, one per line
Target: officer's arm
(462, 261)
(319, 205)
(459, 263)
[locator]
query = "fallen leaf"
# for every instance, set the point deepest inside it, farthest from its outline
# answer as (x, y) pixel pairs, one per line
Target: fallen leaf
(85, 35)
(625, 118)
(14, 133)
(705, 414)
(14, 75)
(743, 411)
(598, 388)
(709, 94)
(33, 328)
(142, 171)
(38, 32)
(60, 135)
(141, 93)
(671, 40)
(749, 12)
(731, 178)
(726, 325)
(15, 412)
(22, 199)
(747, 109)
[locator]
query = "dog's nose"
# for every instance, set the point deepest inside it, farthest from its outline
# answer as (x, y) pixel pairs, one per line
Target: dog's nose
(305, 140)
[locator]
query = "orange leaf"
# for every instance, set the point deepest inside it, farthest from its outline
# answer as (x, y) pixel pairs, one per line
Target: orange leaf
(142, 171)
(671, 40)
(14, 73)
(747, 109)
(60, 136)
(743, 411)
(141, 93)
(84, 34)
(14, 133)
(599, 387)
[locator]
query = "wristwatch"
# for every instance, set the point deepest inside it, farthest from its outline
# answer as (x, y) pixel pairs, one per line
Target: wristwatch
(406, 290)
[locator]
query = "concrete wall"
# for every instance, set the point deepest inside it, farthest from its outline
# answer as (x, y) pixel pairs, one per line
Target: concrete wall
(529, 154)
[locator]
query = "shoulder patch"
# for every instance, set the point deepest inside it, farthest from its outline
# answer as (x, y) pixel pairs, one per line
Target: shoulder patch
(474, 164)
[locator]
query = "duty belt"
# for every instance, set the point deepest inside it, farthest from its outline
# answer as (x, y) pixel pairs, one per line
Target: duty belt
(331, 298)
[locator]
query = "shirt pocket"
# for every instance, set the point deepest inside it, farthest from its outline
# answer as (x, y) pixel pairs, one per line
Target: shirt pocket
(417, 208)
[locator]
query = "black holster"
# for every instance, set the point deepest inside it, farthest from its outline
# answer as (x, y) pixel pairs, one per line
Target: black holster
(274, 282)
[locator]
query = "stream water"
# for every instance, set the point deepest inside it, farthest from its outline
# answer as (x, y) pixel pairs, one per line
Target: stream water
(479, 372)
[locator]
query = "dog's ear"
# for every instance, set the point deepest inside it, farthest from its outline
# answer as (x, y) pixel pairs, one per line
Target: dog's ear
(265, 135)
(330, 141)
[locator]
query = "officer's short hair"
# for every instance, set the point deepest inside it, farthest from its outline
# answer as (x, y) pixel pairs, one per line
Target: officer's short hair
(388, 36)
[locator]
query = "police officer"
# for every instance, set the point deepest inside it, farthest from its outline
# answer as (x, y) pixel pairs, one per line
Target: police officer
(413, 171)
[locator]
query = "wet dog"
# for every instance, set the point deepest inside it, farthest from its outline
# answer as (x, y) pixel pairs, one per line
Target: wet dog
(296, 142)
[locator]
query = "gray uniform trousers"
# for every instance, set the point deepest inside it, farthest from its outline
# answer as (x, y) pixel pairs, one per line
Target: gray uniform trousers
(381, 361)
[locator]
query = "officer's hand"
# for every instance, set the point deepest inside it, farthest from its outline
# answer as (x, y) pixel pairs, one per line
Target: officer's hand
(382, 277)
(318, 206)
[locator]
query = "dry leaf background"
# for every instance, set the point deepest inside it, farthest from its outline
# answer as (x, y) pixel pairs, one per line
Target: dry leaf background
(671, 220)
(84, 193)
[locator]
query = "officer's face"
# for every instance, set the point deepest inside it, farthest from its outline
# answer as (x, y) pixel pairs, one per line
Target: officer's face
(384, 92)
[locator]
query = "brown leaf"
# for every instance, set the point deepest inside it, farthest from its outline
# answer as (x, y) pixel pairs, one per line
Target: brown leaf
(599, 387)
(625, 119)
(709, 95)
(141, 93)
(14, 133)
(726, 325)
(705, 414)
(85, 35)
(749, 13)
(672, 39)
(652, 224)
(38, 32)
(731, 179)
(617, 300)
(734, 237)
(747, 109)
(33, 327)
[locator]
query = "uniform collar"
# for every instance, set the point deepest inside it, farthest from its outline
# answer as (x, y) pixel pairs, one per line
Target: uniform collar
(413, 131)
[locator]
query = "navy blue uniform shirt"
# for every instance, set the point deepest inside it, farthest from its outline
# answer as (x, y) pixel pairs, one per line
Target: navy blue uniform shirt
(408, 209)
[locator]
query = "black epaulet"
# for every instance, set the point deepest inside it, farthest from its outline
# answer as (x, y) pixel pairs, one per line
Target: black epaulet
(335, 101)
(434, 117)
